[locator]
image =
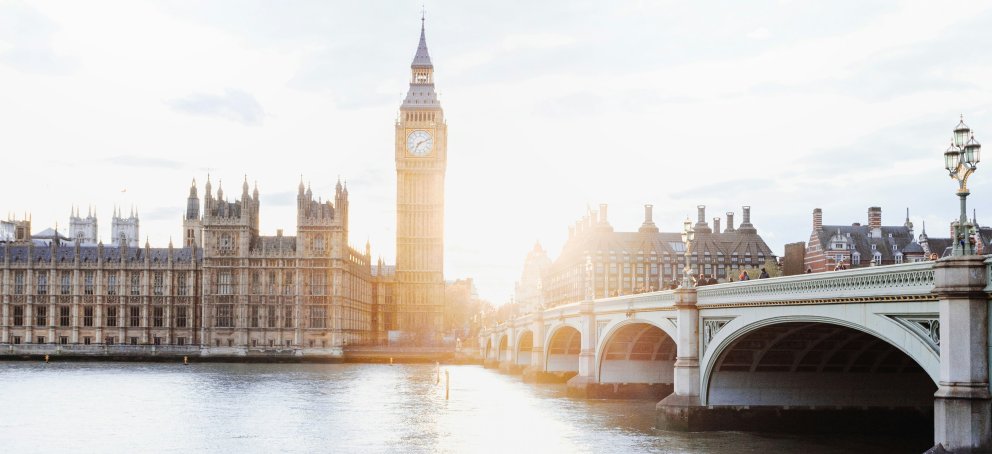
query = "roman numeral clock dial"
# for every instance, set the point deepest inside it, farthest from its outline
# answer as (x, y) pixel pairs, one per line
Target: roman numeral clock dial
(419, 143)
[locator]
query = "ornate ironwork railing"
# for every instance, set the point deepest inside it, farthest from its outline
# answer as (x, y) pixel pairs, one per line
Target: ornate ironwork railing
(902, 280)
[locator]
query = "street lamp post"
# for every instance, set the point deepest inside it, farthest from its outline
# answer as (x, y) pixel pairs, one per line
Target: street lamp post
(960, 160)
(687, 236)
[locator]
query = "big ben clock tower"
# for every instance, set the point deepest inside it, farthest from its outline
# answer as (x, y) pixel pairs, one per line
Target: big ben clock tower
(421, 158)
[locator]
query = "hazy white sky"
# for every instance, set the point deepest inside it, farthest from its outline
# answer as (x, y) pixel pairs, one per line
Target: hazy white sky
(553, 105)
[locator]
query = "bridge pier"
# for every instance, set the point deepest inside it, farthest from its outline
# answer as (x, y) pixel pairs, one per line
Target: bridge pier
(578, 386)
(962, 402)
(681, 409)
(536, 371)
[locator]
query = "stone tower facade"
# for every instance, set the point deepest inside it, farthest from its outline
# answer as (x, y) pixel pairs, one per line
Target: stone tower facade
(192, 224)
(124, 228)
(83, 230)
(421, 158)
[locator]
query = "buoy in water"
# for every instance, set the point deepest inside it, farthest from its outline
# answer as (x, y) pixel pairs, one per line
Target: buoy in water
(46, 359)
(185, 360)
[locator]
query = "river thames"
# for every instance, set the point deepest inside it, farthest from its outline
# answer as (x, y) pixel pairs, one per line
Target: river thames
(157, 407)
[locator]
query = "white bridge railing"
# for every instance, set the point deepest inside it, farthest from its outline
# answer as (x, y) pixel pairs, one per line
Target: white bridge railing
(908, 279)
(902, 280)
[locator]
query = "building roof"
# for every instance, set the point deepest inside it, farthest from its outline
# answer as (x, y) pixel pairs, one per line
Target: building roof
(383, 271)
(89, 254)
(607, 241)
(893, 239)
(277, 243)
(423, 58)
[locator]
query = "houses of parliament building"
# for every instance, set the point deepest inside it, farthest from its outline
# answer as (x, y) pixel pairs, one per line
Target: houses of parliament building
(228, 289)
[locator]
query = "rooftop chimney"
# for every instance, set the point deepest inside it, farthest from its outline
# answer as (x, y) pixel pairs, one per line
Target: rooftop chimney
(730, 221)
(602, 214)
(817, 220)
(746, 226)
(716, 225)
(701, 225)
(875, 221)
(875, 217)
(648, 225)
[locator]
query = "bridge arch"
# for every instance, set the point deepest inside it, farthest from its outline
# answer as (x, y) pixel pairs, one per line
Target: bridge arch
(488, 352)
(814, 362)
(636, 351)
(502, 352)
(562, 349)
(525, 342)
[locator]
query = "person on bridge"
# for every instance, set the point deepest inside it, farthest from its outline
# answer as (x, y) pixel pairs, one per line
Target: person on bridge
(743, 276)
(764, 274)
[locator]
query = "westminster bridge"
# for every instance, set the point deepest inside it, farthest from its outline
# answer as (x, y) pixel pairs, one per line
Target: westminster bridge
(869, 347)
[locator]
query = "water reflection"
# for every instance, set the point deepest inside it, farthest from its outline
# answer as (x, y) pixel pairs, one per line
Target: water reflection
(129, 407)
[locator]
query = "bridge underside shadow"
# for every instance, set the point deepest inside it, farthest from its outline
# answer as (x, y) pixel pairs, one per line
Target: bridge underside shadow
(522, 358)
(489, 360)
(637, 363)
(812, 377)
(562, 360)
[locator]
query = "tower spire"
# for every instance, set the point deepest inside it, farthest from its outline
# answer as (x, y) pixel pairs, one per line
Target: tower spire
(423, 58)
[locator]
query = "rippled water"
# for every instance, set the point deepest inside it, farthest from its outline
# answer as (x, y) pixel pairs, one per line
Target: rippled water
(144, 407)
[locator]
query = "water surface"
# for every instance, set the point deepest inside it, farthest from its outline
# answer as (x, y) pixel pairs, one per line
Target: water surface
(156, 407)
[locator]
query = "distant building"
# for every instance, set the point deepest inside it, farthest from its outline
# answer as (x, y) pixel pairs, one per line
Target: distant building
(15, 230)
(237, 291)
(84, 230)
(527, 291)
(857, 245)
(597, 262)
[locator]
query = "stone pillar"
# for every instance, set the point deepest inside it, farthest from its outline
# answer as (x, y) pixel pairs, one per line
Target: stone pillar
(537, 349)
(962, 402)
(679, 410)
(510, 365)
(537, 371)
(579, 384)
(487, 356)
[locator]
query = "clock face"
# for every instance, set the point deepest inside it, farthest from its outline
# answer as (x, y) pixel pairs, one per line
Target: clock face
(419, 143)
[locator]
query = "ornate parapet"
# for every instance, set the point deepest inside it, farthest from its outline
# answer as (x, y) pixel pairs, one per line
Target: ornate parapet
(904, 281)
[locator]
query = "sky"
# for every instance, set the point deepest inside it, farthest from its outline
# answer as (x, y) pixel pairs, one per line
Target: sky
(552, 107)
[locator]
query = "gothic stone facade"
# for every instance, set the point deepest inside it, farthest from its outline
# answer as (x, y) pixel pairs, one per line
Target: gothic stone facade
(421, 151)
(229, 289)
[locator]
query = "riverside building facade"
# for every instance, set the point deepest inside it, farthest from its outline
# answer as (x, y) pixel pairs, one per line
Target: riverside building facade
(598, 262)
(228, 289)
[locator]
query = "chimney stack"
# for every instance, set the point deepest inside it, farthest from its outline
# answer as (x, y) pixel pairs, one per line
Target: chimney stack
(701, 225)
(716, 225)
(817, 220)
(875, 217)
(747, 215)
(875, 221)
(602, 213)
(730, 221)
(648, 225)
